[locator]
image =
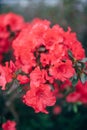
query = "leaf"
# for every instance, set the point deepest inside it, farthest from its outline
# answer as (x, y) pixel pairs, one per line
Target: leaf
(75, 108)
(83, 78)
(79, 103)
(70, 54)
(74, 80)
(84, 60)
(79, 64)
(83, 65)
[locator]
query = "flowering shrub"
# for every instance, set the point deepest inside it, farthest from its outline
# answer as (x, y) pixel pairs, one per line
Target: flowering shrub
(45, 64)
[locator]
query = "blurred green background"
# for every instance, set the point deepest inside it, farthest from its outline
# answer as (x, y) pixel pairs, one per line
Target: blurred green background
(66, 13)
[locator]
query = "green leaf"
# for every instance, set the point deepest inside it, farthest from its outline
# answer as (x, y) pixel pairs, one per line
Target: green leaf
(83, 60)
(79, 64)
(79, 103)
(83, 65)
(83, 78)
(70, 54)
(74, 80)
(75, 108)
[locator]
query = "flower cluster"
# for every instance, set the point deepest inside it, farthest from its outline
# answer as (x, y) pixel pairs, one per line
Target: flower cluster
(42, 53)
(10, 25)
(45, 61)
(79, 95)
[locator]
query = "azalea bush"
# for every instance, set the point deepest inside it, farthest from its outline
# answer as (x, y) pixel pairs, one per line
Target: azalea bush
(41, 65)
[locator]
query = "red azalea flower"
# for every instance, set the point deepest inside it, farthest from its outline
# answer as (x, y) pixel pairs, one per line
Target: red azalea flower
(15, 21)
(39, 98)
(52, 38)
(82, 90)
(45, 59)
(66, 85)
(39, 27)
(80, 93)
(78, 51)
(9, 125)
(57, 91)
(37, 77)
(62, 70)
(23, 79)
(7, 73)
(9, 70)
(73, 44)
(10, 26)
(4, 43)
(73, 97)
(56, 110)
(2, 78)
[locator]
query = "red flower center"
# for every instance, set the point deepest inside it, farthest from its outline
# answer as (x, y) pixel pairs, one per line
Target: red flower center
(40, 93)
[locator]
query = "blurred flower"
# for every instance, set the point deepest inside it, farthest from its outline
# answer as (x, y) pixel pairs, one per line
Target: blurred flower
(56, 110)
(9, 125)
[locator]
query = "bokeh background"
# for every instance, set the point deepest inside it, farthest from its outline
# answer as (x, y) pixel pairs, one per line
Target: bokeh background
(66, 13)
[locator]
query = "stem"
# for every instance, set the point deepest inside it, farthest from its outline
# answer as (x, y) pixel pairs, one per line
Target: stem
(13, 87)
